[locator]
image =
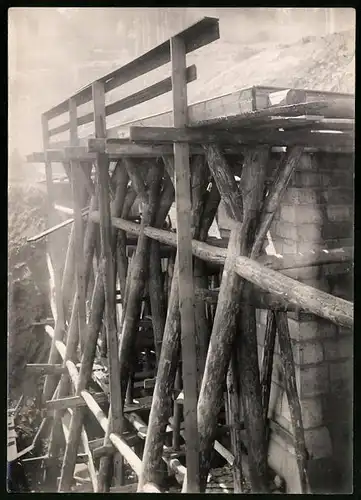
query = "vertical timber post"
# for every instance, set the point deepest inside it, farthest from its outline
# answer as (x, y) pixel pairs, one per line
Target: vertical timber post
(78, 226)
(185, 269)
(116, 410)
(50, 381)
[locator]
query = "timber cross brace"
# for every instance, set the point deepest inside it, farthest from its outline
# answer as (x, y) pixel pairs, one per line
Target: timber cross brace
(164, 322)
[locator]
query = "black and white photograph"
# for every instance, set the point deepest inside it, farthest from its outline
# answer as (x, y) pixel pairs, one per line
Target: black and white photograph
(180, 250)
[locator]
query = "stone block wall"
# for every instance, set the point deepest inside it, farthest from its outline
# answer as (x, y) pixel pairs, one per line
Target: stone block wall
(316, 213)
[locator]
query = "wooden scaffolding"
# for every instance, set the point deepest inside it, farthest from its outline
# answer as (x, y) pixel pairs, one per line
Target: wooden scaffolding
(165, 417)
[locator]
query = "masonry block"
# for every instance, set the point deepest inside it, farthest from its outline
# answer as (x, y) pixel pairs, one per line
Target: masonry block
(302, 330)
(343, 229)
(302, 214)
(339, 213)
(308, 246)
(337, 269)
(318, 442)
(311, 409)
(337, 196)
(306, 178)
(303, 273)
(304, 232)
(326, 329)
(300, 196)
(341, 374)
(305, 353)
(312, 412)
(312, 380)
(321, 283)
(338, 348)
(284, 463)
(306, 163)
(344, 330)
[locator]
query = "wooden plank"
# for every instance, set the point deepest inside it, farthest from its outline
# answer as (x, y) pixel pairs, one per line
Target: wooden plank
(73, 402)
(144, 95)
(272, 137)
(81, 458)
(199, 34)
(93, 406)
(51, 230)
(185, 265)
(79, 252)
(115, 412)
(45, 368)
(225, 111)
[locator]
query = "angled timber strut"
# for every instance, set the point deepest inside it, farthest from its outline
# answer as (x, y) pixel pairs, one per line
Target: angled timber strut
(155, 319)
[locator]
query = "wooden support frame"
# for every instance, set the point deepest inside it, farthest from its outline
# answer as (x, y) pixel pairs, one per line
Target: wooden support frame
(278, 291)
(342, 315)
(185, 266)
(116, 413)
(272, 137)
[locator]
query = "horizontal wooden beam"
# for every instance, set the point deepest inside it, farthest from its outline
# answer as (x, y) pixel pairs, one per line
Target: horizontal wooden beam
(73, 402)
(199, 34)
(45, 368)
(273, 137)
(52, 229)
(104, 450)
(155, 90)
(81, 458)
(217, 255)
(310, 299)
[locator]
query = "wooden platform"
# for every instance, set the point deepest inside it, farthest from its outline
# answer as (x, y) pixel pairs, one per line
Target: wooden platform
(263, 114)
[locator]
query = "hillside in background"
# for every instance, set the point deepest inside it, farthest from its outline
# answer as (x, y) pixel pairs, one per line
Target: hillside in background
(54, 52)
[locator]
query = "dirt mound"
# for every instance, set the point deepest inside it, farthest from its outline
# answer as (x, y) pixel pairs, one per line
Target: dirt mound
(314, 62)
(27, 281)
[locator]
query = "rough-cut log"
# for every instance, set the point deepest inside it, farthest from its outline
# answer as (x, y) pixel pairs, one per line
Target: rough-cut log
(167, 366)
(233, 411)
(79, 252)
(84, 377)
(156, 289)
(252, 186)
(93, 406)
(309, 299)
(267, 362)
(223, 332)
(199, 194)
(217, 254)
(292, 396)
(121, 257)
(68, 275)
(177, 413)
(108, 243)
(131, 313)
